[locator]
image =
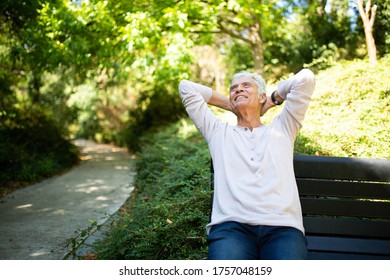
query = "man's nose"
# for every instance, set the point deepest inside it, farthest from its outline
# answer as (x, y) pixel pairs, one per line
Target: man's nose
(240, 88)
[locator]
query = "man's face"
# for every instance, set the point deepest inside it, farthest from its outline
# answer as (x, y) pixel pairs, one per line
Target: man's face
(243, 91)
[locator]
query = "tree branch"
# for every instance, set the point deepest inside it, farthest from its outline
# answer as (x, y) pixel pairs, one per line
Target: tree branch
(232, 33)
(367, 14)
(361, 10)
(373, 14)
(368, 6)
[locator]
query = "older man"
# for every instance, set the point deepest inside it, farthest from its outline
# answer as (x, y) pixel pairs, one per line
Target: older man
(256, 211)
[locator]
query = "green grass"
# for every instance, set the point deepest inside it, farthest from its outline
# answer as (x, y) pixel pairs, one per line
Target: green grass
(350, 112)
(166, 216)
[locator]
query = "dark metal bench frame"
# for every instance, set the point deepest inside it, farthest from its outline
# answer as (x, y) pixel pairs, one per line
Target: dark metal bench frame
(345, 205)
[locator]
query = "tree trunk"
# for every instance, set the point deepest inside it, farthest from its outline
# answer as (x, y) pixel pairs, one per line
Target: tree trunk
(258, 57)
(253, 38)
(35, 88)
(368, 17)
(257, 47)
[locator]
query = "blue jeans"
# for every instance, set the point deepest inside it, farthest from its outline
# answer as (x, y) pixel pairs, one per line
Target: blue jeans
(236, 241)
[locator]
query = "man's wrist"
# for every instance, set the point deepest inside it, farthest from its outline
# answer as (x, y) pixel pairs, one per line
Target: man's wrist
(276, 99)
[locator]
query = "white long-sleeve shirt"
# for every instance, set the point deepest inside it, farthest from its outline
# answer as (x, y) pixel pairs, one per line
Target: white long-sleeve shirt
(254, 181)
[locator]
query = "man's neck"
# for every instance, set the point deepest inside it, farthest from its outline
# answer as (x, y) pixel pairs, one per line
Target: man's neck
(248, 120)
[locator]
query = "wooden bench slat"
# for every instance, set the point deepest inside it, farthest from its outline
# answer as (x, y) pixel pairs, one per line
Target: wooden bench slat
(339, 168)
(347, 227)
(343, 207)
(318, 187)
(343, 256)
(348, 245)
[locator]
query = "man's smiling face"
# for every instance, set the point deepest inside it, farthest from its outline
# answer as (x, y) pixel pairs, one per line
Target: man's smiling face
(243, 91)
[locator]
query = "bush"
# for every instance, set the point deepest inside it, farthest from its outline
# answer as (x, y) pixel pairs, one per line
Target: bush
(157, 107)
(32, 148)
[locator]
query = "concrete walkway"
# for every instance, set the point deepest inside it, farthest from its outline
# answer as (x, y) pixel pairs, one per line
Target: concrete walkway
(37, 222)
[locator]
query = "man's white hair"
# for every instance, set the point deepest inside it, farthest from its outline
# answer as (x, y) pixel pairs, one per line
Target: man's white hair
(259, 80)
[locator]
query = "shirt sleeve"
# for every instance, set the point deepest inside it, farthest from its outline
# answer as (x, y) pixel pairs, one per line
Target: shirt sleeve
(195, 97)
(297, 92)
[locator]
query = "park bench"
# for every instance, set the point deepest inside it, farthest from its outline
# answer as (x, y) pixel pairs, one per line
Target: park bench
(346, 206)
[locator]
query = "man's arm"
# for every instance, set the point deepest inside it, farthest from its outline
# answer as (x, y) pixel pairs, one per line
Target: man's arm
(209, 95)
(220, 101)
(268, 105)
(297, 91)
(195, 98)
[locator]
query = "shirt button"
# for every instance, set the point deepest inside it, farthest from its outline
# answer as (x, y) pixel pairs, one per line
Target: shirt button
(246, 128)
(252, 159)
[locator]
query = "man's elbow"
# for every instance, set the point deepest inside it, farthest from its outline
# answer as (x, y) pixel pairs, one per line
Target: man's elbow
(183, 85)
(308, 76)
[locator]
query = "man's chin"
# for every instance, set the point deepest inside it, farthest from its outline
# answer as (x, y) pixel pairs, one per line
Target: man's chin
(240, 103)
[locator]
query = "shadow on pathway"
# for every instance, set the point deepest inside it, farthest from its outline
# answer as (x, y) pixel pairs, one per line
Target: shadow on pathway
(36, 222)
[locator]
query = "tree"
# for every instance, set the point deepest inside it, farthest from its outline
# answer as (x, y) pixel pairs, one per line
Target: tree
(330, 22)
(368, 17)
(253, 35)
(250, 21)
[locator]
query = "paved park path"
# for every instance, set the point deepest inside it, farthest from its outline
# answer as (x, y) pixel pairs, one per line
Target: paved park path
(36, 222)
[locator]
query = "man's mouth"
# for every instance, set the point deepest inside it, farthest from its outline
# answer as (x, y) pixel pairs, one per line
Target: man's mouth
(239, 97)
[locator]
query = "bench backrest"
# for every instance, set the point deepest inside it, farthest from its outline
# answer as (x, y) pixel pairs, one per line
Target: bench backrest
(346, 206)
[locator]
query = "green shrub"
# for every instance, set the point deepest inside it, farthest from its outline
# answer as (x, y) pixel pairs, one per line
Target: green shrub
(157, 107)
(32, 148)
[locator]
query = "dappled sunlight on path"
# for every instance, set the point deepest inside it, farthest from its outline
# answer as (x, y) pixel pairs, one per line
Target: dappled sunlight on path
(36, 222)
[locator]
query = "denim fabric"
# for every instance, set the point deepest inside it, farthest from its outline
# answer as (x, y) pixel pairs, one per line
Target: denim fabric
(235, 241)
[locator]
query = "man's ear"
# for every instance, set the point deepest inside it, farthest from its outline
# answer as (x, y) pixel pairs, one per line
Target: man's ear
(263, 98)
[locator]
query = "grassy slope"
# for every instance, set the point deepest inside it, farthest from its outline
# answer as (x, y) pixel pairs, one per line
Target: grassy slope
(350, 112)
(166, 215)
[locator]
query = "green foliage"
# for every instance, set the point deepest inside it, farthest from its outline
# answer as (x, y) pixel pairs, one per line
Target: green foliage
(382, 26)
(349, 114)
(332, 25)
(161, 107)
(166, 216)
(315, 36)
(32, 147)
(239, 56)
(74, 243)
